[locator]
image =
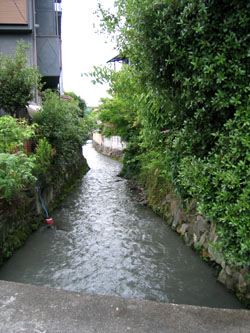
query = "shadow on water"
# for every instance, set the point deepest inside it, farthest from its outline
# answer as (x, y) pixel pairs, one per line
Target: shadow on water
(107, 243)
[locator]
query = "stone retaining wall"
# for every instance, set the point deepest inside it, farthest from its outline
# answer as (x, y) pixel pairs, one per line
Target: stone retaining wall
(200, 233)
(24, 214)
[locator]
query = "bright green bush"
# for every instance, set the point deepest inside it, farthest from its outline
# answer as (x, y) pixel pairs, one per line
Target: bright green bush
(17, 81)
(43, 157)
(220, 184)
(195, 54)
(119, 112)
(191, 62)
(16, 169)
(80, 102)
(13, 132)
(60, 124)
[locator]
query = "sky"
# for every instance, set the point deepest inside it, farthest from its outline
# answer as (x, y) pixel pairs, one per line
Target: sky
(83, 48)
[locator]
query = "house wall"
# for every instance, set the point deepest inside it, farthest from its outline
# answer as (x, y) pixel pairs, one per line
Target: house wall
(10, 34)
(8, 44)
(48, 47)
(44, 41)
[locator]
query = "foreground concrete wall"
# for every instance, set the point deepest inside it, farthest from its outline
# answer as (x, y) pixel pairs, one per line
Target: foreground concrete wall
(26, 308)
(113, 146)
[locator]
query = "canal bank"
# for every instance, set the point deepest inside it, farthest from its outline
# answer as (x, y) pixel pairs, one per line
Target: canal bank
(197, 231)
(25, 213)
(27, 308)
(106, 242)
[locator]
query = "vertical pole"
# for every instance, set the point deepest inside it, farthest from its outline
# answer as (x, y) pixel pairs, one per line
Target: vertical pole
(34, 45)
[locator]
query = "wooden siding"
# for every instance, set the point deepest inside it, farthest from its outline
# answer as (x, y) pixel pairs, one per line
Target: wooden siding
(13, 12)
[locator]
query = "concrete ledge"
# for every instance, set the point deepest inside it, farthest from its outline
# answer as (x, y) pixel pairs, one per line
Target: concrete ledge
(28, 308)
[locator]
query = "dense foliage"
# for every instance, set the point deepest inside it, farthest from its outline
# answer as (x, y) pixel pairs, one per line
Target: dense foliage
(191, 63)
(80, 102)
(60, 124)
(17, 81)
(62, 128)
(16, 168)
(124, 98)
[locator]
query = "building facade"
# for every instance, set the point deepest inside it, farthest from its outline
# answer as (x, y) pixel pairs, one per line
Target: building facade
(38, 24)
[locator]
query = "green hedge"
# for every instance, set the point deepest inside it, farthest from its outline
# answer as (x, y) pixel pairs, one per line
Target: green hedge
(192, 61)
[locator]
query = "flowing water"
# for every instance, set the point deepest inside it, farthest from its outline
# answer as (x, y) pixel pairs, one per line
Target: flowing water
(107, 243)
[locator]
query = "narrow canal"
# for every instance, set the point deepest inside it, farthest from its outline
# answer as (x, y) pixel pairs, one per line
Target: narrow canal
(107, 243)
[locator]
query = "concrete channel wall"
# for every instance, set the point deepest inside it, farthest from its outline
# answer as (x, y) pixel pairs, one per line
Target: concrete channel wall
(113, 146)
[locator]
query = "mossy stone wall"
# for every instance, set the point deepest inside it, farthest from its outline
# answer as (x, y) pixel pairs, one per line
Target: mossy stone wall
(198, 232)
(25, 214)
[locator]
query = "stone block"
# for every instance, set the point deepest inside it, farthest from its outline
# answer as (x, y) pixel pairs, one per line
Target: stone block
(212, 230)
(215, 255)
(200, 225)
(241, 284)
(176, 219)
(228, 270)
(222, 276)
(225, 279)
(170, 220)
(188, 239)
(184, 228)
(195, 238)
(203, 239)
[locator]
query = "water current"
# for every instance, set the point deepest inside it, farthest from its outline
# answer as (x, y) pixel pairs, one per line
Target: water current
(107, 243)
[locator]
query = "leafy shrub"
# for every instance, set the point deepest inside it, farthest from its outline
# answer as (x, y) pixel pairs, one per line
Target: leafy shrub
(13, 133)
(16, 169)
(119, 112)
(43, 156)
(80, 102)
(15, 173)
(220, 183)
(17, 81)
(191, 62)
(60, 124)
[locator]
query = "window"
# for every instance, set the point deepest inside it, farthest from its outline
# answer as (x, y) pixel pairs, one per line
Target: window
(13, 12)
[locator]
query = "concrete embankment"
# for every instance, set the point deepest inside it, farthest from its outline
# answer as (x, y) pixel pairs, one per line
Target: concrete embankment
(28, 308)
(113, 146)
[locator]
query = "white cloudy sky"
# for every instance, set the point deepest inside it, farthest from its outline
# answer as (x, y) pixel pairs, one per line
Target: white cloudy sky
(83, 48)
